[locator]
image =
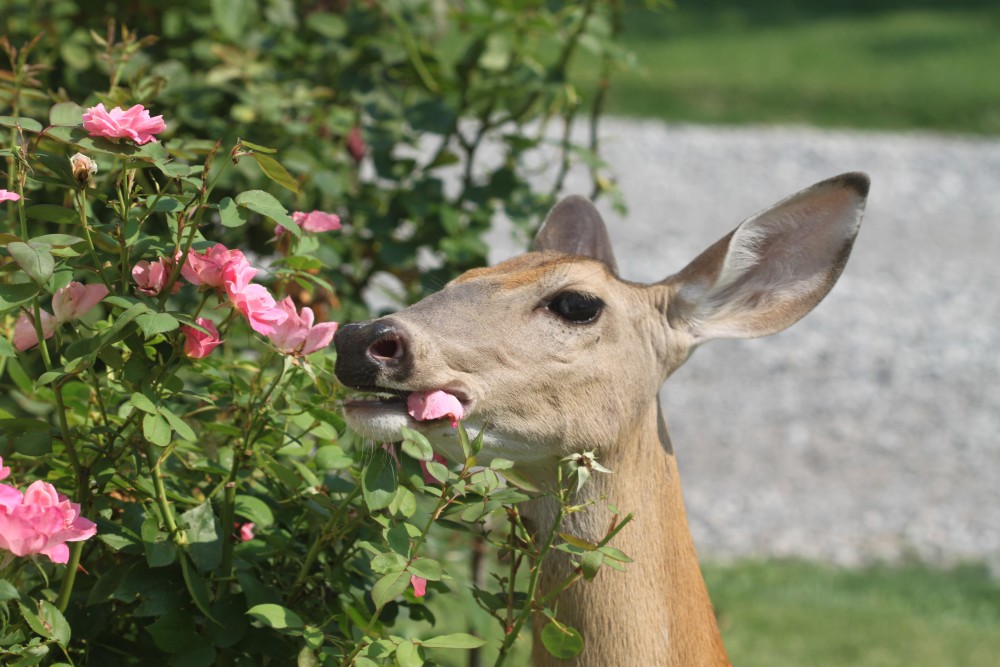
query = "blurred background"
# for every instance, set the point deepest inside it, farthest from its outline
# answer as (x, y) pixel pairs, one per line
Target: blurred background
(842, 476)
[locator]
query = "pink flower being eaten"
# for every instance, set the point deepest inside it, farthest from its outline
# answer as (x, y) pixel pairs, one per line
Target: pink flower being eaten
(419, 586)
(41, 522)
(199, 344)
(426, 405)
(207, 268)
(151, 277)
(25, 336)
(297, 335)
(8, 196)
(316, 221)
(134, 123)
(75, 300)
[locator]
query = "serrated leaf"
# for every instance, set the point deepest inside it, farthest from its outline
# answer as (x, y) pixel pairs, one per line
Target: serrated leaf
(203, 536)
(266, 205)
(563, 643)
(426, 568)
(66, 113)
(254, 509)
(390, 561)
(456, 640)
(28, 124)
(275, 616)
(180, 427)
(416, 445)
(276, 172)
(156, 323)
(389, 587)
(156, 430)
(378, 481)
(35, 259)
(231, 215)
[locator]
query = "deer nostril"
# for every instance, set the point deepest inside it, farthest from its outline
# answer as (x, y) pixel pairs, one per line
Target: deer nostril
(386, 349)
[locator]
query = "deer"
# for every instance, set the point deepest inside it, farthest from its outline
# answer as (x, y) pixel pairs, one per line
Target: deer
(551, 354)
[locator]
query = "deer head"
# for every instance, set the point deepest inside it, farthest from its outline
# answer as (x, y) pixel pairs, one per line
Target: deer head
(552, 353)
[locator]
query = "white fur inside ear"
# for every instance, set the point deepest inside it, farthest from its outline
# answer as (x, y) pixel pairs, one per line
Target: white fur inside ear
(778, 265)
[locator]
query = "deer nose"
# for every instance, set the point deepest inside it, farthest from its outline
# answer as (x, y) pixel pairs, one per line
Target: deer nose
(368, 351)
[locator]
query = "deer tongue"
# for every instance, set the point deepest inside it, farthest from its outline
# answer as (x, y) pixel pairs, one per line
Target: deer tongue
(426, 405)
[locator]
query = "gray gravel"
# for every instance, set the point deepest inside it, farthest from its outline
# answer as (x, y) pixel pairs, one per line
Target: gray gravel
(869, 430)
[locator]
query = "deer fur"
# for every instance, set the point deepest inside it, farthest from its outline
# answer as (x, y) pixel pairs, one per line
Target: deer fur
(545, 386)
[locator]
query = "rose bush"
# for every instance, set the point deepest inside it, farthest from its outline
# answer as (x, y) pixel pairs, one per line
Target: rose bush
(168, 420)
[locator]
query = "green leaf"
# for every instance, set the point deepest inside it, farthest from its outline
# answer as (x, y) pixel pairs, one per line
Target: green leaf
(276, 172)
(332, 457)
(254, 509)
(275, 616)
(456, 640)
(141, 402)
(52, 213)
(378, 481)
(416, 445)
(196, 587)
(257, 147)
(563, 645)
(265, 204)
(437, 470)
(203, 536)
(6, 349)
(59, 240)
(578, 542)
(34, 620)
(156, 430)
(389, 587)
(29, 124)
(160, 550)
(407, 655)
(390, 561)
(7, 591)
(172, 630)
(426, 568)
(15, 294)
(35, 259)
(66, 113)
(591, 563)
(181, 427)
(156, 323)
(231, 215)
(232, 17)
(30, 437)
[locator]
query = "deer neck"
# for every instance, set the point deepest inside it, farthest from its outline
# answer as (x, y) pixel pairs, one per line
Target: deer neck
(658, 613)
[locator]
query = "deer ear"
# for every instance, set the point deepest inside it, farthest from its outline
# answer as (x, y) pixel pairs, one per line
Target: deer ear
(772, 269)
(575, 227)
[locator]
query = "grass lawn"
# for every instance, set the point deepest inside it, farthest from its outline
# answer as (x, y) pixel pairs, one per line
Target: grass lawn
(790, 614)
(888, 64)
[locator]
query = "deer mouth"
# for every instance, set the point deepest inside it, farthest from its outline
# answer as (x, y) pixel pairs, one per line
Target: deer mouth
(383, 410)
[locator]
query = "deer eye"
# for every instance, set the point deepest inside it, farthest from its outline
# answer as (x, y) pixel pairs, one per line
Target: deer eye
(576, 307)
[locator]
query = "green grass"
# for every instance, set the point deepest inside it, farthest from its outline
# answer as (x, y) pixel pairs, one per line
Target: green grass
(789, 614)
(891, 67)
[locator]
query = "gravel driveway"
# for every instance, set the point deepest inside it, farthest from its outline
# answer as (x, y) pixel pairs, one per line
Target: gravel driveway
(869, 430)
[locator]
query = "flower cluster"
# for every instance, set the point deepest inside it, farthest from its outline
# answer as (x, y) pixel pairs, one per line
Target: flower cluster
(68, 303)
(230, 273)
(40, 521)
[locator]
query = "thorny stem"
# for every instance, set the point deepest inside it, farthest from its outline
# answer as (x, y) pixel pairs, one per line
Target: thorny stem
(323, 536)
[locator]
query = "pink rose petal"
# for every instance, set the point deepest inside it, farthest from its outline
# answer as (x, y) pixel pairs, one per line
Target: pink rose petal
(426, 405)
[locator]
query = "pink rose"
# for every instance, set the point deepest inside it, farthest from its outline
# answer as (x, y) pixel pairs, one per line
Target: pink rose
(9, 196)
(151, 277)
(356, 146)
(75, 300)
(133, 123)
(425, 405)
(419, 585)
(297, 335)
(246, 531)
(25, 336)
(206, 268)
(41, 522)
(258, 307)
(198, 344)
(314, 222)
